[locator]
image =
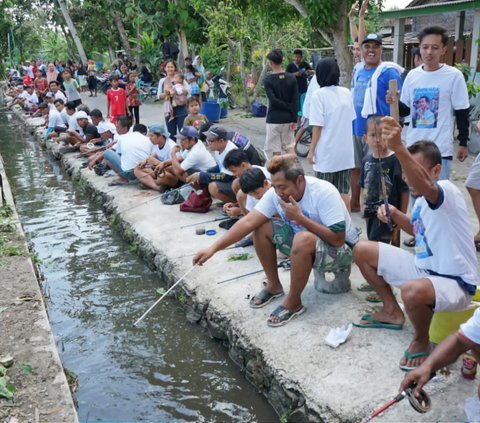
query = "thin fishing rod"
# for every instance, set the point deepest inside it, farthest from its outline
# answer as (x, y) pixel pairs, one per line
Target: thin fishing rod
(206, 221)
(163, 296)
(194, 254)
(121, 185)
(251, 273)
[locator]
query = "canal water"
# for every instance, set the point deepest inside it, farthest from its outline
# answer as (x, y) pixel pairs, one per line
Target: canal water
(164, 370)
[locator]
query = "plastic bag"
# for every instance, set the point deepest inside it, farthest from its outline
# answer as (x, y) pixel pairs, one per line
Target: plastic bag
(338, 336)
(472, 409)
(474, 143)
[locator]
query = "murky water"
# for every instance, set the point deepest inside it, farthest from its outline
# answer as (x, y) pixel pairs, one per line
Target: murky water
(164, 371)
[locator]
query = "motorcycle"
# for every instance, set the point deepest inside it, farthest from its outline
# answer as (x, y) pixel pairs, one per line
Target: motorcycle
(103, 83)
(222, 89)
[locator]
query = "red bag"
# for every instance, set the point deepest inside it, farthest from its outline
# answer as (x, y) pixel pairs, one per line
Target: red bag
(197, 203)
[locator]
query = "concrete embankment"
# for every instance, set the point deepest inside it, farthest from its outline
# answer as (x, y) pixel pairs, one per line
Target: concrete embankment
(302, 378)
(25, 334)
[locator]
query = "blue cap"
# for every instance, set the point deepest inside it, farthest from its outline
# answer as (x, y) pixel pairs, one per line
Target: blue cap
(187, 132)
(159, 129)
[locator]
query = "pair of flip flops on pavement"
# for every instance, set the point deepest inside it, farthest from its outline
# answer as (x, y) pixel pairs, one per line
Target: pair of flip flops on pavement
(281, 312)
(372, 296)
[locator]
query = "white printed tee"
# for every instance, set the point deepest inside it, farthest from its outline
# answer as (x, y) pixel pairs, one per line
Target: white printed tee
(252, 201)
(197, 158)
(219, 157)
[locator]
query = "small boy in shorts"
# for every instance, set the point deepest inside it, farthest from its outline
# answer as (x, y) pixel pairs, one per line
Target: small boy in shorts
(370, 182)
(116, 100)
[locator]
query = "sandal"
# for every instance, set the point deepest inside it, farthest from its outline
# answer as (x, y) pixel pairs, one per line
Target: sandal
(364, 287)
(376, 324)
(408, 356)
(409, 242)
(285, 315)
(374, 298)
(265, 297)
(116, 183)
(477, 245)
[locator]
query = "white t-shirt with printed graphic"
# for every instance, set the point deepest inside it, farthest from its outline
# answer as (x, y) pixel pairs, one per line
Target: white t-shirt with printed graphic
(252, 201)
(432, 98)
(219, 157)
(165, 152)
(443, 235)
(197, 158)
(321, 202)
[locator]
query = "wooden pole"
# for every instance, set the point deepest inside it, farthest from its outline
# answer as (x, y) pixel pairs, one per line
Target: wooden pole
(395, 113)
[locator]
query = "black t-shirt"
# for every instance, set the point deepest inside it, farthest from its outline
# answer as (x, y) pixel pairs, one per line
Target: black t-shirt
(282, 93)
(302, 80)
(371, 183)
(90, 131)
(146, 75)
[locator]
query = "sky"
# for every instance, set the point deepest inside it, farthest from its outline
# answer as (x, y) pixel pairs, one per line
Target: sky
(400, 3)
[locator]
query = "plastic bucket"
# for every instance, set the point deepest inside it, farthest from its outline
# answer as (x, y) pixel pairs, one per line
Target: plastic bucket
(448, 322)
(223, 111)
(211, 111)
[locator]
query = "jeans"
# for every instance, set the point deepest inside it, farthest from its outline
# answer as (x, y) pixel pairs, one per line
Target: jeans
(445, 172)
(174, 124)
(115, 160)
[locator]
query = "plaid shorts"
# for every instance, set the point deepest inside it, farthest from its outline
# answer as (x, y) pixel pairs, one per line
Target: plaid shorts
(340, 180)
(327, 257)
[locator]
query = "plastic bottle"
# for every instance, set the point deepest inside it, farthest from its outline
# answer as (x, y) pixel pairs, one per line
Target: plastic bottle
(469, 368)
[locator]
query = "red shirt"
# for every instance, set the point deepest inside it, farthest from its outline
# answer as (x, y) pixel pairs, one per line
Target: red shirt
(34, 69)
(40, 86)
(117, 101)
(27, 80)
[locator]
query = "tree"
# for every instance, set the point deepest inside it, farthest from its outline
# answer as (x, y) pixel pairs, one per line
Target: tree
(117, 18)
(73, 31)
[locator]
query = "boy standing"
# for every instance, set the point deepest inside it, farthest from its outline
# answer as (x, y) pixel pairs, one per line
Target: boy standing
(282, 92)
(71, 87)
(116, 100)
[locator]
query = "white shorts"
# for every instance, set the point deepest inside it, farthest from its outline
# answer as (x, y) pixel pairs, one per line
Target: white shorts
(473, 178)
(397, 266)
(279, 137)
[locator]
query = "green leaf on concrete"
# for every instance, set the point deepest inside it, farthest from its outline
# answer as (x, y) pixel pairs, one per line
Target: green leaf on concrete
(2, 309)
(114, 265)
(12, 388)
(4, 392)
(4, 380)
(26, 368)
(3, 370)
(161, 291)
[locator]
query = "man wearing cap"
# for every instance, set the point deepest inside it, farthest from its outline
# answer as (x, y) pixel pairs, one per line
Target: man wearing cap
(86, 132)
(371, 86)
(218, 179)
(30, 104)
(155, 171)
(194, 156)
(131, 149)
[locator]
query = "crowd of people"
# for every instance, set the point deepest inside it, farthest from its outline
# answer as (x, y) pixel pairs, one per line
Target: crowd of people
(363, 160)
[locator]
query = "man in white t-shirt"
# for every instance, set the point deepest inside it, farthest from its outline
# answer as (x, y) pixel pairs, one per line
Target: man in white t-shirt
(315, 230)
(57, 93)
(29, 68)
(194, 156)
(155, 171)
(131, 149)
(442, 275)
(218, 179)
(430, 95)
(53, 119)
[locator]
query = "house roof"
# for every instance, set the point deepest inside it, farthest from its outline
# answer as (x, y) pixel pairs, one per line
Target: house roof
(426, 7)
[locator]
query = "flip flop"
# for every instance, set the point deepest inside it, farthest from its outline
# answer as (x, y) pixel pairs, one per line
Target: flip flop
(409, 242)
(364, 287)
(376, 323)
(376, 300)
(285, 316)
(409, 356)
(116, 183)
(265, 297)
(244, 242)
(477, 245)
(355, 210)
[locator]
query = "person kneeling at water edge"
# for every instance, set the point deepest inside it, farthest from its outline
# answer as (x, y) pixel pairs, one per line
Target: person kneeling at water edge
(315, 231)
(442, 275)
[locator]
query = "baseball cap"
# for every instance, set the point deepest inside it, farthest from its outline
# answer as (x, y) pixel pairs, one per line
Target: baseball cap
(372, 37)
(187, 132)
(159, 129)
(49, 95)
(81, 115)
(43, 105)
(215, 132)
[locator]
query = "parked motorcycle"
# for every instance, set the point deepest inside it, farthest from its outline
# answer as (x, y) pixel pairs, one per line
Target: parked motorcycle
(222, 89)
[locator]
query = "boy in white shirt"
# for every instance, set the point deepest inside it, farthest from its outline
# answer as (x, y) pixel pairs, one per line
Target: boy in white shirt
(442, 275)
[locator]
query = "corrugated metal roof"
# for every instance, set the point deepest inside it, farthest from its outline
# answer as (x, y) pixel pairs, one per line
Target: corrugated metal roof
(438, 3)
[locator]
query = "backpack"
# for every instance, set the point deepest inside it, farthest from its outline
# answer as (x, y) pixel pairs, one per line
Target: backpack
(197, 203)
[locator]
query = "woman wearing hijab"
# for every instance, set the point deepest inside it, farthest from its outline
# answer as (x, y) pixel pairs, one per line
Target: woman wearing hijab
(52, 73)
(331, 115)
(197, 63)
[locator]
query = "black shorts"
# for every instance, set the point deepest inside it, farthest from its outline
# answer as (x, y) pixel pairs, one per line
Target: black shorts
(378, 231)
(77, 102)
(226, 189)
(60, 129)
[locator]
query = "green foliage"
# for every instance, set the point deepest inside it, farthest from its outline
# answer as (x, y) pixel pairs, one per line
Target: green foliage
(472, 87)
(161, 291)
(150, 50)
(183, 298)
(26, 368)
(134, 247)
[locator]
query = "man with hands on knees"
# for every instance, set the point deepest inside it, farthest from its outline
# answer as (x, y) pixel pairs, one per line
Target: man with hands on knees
(315, 230)
(442, 275)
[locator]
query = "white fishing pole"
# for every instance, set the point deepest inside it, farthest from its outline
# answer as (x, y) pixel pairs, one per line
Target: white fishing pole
(163, 296)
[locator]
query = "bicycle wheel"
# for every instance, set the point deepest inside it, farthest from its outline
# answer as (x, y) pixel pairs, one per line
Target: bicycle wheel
(303, 147)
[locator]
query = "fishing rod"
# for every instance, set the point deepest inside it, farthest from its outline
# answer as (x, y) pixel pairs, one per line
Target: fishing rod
(151, 199)
(281, 264)
(225, 249)
(121, 185)
(163, 296)
(206, 221)
(421, 404)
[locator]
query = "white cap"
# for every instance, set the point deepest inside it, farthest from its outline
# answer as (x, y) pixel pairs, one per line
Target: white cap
(104, 127)
(81, 115)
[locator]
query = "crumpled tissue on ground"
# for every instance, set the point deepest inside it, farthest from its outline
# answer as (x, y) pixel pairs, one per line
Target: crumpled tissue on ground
(338, 336)
(472, 409)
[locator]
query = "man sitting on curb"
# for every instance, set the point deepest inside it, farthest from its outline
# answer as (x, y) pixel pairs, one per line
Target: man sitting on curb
(194, 157)
(53, 119)
(131, 149)
(442, 275)
(153, 171)
(315, 231)
(218, 179)
(87, 132)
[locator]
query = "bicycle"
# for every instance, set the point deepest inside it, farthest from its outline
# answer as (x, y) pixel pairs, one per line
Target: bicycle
(148, 89)
(302, 147)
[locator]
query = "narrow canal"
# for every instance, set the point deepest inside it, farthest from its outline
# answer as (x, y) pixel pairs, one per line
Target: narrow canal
(97, 287)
